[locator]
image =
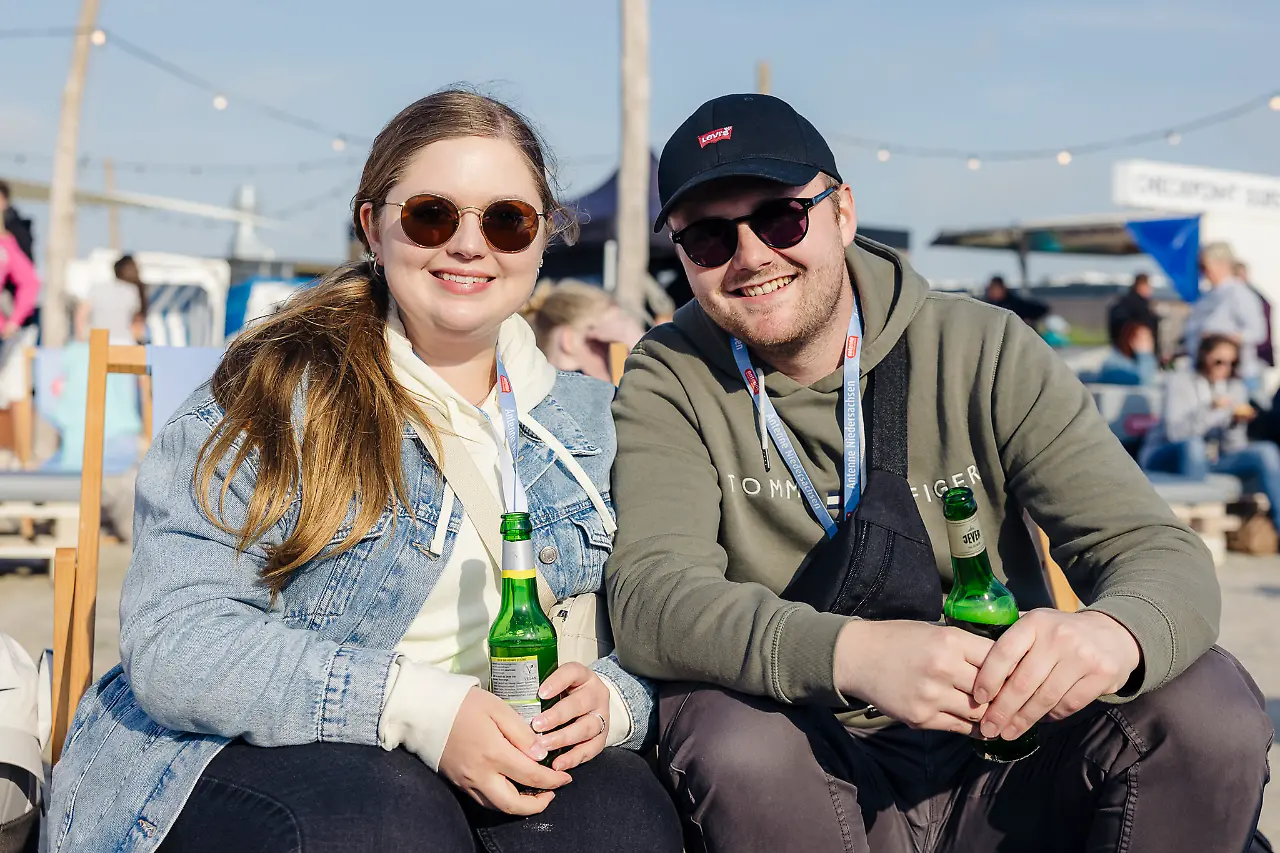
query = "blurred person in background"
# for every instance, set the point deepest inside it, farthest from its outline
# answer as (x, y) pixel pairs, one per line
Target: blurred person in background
(1031, 311)
(15, 223)
(1229, 308)
(19, 273)
(1134, 306)
(1132, 360)
(575, 324)
(119, 305)
(1266, 350)
(1203, 428)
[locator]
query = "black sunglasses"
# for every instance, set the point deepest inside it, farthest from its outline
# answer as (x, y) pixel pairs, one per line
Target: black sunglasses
(780, 223)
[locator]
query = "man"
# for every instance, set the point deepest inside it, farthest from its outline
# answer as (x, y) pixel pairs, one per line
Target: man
(1229, 308)
(1134, 307)
(715, 521)
(1031, 311)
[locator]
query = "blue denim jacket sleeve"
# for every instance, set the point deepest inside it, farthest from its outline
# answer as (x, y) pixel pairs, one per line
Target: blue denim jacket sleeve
(203, 648)
(639, 694)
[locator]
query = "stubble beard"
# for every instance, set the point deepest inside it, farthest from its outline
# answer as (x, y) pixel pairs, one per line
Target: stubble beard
(819, 302)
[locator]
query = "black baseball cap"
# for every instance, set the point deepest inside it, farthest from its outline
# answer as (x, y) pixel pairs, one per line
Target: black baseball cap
(757, 136)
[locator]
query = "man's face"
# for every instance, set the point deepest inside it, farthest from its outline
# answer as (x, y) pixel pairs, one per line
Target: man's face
(1216, 270)
(771, 297)
(1143, 288)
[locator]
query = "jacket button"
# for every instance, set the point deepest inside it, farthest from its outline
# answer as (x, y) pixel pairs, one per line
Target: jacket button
(549, 555)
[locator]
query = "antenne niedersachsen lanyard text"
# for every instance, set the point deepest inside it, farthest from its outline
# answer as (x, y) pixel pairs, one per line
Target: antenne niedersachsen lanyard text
(513, 495)
(851, 421)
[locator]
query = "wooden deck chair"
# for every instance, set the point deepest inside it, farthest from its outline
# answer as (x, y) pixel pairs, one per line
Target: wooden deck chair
(75, 593)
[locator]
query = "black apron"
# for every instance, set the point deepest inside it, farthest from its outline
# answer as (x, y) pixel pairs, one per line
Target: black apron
(880, 565)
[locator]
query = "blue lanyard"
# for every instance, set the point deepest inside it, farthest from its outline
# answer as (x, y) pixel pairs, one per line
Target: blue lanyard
(851, 421)
(513, 494)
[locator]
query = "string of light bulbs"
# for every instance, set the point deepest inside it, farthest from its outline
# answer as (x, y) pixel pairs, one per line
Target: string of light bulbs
(1064, 156)
(974, 159)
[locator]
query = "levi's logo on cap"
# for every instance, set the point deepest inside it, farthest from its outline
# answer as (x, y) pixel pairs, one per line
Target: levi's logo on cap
(506, 386)
(851, 346)
(719, 135)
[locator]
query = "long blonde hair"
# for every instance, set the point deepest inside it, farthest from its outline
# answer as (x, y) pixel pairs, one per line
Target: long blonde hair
(328, 347)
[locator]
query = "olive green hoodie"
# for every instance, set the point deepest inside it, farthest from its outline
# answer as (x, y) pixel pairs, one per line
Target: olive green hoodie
(707, 539)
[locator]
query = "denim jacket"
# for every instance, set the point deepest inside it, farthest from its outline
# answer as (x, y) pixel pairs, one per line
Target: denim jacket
(205, 656)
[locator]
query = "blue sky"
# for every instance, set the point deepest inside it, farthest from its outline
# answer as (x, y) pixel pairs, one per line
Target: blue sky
(978, 75)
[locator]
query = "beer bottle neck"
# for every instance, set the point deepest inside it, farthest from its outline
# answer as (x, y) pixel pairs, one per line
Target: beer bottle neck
(519, 577)
(969, 561)
(973, 572)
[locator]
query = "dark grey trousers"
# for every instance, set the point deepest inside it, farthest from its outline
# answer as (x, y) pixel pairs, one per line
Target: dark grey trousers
(1179, 769)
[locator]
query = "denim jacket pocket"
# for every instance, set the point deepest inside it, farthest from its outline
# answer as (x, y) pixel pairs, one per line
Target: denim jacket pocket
(571, 547)
(323, 588)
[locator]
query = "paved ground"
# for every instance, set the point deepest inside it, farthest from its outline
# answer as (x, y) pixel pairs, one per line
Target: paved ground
(1250, 627)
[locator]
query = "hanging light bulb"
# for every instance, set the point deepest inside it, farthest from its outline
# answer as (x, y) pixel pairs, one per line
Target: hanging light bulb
(219, 102)
(339, 144)
(883, 155)
(1064, 158)
(98, 38)
(1173, 138)
(974, 164)
(1274, 103)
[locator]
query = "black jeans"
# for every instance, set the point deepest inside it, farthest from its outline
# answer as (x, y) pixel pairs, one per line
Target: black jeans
(341, 798)
(1179, 769)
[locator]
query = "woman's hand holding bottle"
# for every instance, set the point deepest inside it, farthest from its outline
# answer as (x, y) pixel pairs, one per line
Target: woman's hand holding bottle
(491, 749)
(579, 720)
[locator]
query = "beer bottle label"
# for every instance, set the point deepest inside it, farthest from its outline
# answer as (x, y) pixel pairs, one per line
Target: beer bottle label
(515, 681)
(965, 538)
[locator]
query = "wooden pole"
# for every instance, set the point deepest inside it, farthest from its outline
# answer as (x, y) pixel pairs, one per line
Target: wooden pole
(634, 226)
(62, 202)
(113, 211)
(764, 78)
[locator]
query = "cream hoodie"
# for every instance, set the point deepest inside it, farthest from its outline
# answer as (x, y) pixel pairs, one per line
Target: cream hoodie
(445, 653)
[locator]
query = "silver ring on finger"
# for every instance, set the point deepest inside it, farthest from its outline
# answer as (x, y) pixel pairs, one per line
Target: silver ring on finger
(604, 724)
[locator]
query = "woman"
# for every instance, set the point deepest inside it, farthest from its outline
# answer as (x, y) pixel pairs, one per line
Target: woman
(1204, 424)
(119, 306)
(576, 323)
(320, 598)
(15, 383)
(1132, 361)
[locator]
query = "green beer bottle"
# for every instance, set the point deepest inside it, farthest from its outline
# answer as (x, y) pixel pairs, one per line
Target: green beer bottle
(522, 641)
(979, 603)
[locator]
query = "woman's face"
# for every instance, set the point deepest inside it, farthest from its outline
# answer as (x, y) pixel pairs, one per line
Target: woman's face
(464, 289)
(1220, 363)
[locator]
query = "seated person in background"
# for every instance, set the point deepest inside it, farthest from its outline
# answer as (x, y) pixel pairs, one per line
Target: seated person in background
(1133, 307)
(1229, 307)
(1204, 424)
(1030, 311)
(1132, 360)
(575, 323)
